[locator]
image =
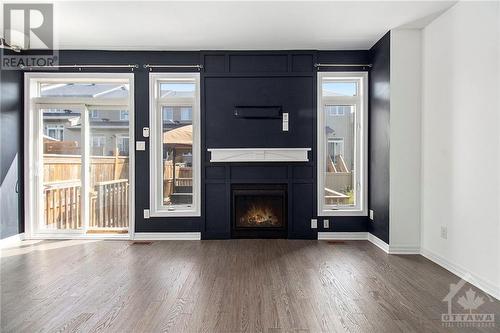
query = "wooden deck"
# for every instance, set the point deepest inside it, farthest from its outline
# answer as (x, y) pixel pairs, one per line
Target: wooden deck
(221, 286)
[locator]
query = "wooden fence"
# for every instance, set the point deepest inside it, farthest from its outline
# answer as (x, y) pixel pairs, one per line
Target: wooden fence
(183, 178)
(109, 194)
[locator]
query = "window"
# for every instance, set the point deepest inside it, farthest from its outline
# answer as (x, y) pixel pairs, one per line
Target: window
(123, 145)
(55, 132)
(168, 114)
(342, 143)
(98, 141)
(186, 114)
(124, 115)
(335, 149)
(71, 160)
(336, 110)
(175, 144)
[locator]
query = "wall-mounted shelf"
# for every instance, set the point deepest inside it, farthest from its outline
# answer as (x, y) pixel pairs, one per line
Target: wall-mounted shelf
(259, 154)
(258, 112)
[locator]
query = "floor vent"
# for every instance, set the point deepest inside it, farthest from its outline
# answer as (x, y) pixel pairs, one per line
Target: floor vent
(142, 242)
(336, 242)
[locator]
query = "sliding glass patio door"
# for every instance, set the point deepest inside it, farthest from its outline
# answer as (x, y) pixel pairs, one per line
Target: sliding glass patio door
(84, 182)
(80, 170)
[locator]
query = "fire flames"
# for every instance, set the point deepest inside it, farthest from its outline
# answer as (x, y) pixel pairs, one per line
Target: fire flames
(259, 216)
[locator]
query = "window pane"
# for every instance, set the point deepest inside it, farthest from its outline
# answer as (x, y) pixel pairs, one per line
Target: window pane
(177, 89)
(109, 171)
(62, 185)
(332, 89)
(178, 164)
(88, 90)
(340, 140)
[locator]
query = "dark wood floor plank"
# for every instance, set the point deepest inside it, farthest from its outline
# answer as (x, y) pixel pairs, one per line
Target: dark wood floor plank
(221, 286)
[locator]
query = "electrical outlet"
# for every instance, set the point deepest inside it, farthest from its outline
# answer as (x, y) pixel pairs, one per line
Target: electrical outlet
(326, 224)
(371, 214)
(444, 232)
(146, 213)
(314, 224)
(140, 145)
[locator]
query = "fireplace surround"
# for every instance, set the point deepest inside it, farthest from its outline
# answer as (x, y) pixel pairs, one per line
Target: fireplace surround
(259, 211)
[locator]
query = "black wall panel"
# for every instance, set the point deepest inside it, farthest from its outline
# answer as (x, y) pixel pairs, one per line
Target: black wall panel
(284, 78)
(11, 150)
(379, 138)
(224, 130)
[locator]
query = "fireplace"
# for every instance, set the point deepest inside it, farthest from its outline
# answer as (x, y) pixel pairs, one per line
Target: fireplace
(259, 211)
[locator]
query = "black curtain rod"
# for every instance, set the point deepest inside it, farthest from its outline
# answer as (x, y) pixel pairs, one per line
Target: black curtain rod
(79, 67)
(151, 67)
(342, 65)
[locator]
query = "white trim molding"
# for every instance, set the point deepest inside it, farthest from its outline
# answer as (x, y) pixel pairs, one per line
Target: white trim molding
(342, 236)
(371, 238)
(259, 154)
(359, 147)
(167, 236)
(463, 273)
(11, 240)
(156, 102)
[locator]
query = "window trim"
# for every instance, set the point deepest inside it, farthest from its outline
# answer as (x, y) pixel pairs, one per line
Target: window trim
(32, 167)
(156, 208)
(361, 143)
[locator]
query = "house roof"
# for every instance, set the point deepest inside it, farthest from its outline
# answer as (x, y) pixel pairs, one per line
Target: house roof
(92, 90)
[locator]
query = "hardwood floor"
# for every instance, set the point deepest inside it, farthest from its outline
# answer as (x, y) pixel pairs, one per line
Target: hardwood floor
(223, 286)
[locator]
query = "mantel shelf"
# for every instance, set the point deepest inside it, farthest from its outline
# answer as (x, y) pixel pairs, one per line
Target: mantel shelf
(226, 155)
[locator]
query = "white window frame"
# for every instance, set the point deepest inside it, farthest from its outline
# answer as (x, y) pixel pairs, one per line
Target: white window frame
(336, 113)
(33, 169)
(59, 128)
(157, 208)
(171, 109)
(101, 140)
(360, 142)
(183, 111)
(337, 140)
(124, 115)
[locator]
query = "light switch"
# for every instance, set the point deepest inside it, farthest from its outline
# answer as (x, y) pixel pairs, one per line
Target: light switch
(146, 213)
(326, 224)
(145, 132)
(285, 122)
(140, 145)
(314, 224)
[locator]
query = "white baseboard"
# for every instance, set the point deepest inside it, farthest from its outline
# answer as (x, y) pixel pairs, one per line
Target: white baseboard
(371, 238)
(167, 236)
(462, 273)
(378, 242)
(397, 249)
(342, 235)
(12, 240)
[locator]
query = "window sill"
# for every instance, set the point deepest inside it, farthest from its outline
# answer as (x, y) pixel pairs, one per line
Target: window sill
(176, 213)
(343, 212)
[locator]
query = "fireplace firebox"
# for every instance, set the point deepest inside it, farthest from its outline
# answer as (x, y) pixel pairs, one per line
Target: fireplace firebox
(259, 211)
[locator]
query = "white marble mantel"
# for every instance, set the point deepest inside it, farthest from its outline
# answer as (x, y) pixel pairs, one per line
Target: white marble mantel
(258, 154)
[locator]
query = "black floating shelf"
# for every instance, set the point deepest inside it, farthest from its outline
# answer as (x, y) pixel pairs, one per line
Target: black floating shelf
(258, 112)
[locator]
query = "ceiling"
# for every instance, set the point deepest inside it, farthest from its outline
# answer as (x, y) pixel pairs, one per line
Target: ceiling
(235, 25)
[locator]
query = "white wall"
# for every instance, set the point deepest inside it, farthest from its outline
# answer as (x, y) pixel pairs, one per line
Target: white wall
(405, 130)
(461, 142)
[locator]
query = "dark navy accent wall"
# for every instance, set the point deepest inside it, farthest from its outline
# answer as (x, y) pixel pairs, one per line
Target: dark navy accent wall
(11, 143)
(284, 78)
(380, 137)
